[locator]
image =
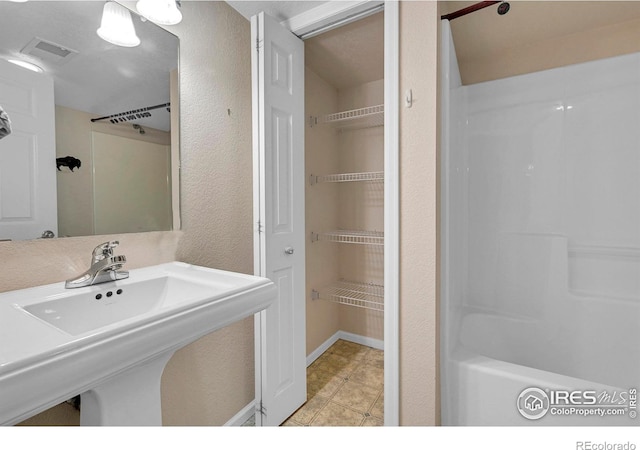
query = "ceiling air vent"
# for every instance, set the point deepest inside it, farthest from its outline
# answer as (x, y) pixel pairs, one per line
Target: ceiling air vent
(48, 51)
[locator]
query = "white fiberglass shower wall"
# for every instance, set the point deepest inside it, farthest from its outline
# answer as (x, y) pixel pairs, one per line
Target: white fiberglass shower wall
(541, 245)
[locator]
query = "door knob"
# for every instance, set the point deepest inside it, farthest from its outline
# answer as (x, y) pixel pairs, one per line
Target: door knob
(289, 250)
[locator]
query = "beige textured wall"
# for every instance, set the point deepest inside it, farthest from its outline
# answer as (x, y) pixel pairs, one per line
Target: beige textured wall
(589, 45)
(419, 388)
(321, 211)
(211, 380)
(539, 35)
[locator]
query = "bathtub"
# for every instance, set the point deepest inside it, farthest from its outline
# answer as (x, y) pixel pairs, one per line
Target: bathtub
(484, 387)
(540, 248)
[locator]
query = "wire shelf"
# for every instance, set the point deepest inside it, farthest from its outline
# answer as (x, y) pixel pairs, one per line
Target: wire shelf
(350, 237)
(347, 177)
(368, 117)
(361, 295)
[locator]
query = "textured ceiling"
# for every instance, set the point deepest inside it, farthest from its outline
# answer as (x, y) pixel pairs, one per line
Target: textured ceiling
(349, 55)
(280, 10)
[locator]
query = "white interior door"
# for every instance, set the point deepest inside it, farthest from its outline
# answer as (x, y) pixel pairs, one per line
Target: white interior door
(278, 118)
(28, 199)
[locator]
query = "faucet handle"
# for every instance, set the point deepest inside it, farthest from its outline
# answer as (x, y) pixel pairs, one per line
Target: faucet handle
(104, 250)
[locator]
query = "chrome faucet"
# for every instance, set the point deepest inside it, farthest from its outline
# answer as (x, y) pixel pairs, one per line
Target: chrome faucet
(104, 267)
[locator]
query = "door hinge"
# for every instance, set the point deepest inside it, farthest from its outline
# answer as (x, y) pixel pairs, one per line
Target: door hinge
(258, 44)
(261, 409)
(260, 227)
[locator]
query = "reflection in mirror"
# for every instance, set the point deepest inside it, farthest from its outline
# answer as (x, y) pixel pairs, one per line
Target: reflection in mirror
(94, 142)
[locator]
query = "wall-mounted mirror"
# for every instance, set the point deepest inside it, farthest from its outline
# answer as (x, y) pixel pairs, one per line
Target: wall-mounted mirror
(112, 110)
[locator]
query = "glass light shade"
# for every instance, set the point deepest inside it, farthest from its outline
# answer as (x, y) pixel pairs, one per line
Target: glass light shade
(117, 27)
(163, 12)
(26, 65)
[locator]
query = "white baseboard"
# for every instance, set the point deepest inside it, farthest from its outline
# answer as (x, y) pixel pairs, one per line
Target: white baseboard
(245, 414)
(351, 337)
(322, 348)
(248, 411)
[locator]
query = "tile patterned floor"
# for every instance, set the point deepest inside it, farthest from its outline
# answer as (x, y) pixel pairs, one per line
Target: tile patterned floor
(344, 388)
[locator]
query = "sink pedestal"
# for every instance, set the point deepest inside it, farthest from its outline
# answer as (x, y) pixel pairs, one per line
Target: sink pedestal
(130, 398)
(110, 342)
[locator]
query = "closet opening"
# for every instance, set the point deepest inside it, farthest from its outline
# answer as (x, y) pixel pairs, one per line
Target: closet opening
(344, 215)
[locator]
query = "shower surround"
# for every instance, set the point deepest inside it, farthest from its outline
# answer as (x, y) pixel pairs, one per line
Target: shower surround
(541, 245)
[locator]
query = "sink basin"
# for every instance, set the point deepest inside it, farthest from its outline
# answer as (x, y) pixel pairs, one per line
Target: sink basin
(104, 305)
(110, 342)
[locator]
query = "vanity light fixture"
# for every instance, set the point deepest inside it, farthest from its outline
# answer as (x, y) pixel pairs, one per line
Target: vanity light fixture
(117, 27)
(162, 12)
(26, 65)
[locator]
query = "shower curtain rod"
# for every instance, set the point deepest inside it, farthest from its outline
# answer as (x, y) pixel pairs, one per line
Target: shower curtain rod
(133, 114)
(467, 10)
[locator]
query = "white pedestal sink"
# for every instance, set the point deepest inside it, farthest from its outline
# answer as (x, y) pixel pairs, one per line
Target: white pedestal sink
(111, 342)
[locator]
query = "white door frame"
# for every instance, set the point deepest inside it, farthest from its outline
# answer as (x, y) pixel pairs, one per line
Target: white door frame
(341, 12)
(391, 213)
